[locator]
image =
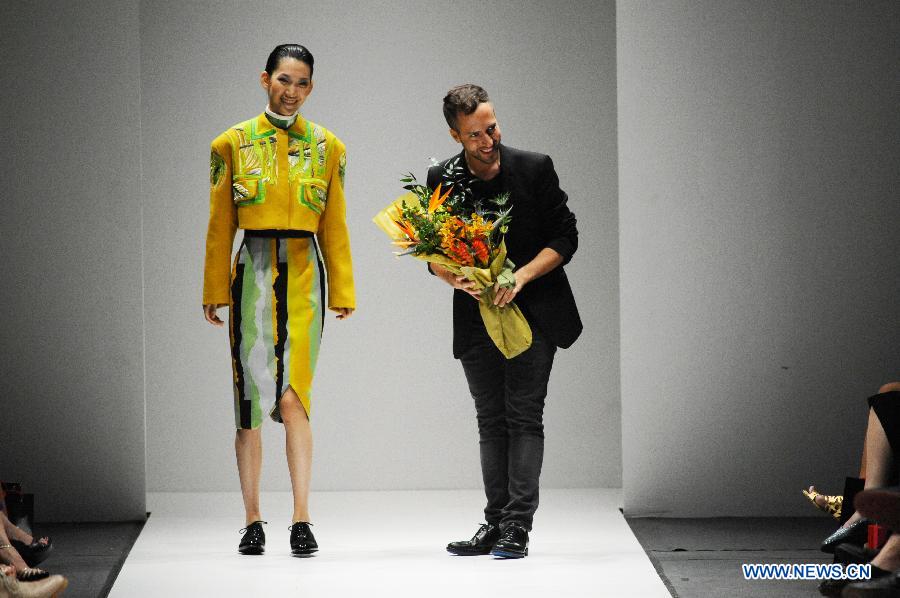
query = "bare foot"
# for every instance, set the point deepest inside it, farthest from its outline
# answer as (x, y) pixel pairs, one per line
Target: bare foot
(853, 519)
(12, 557)
(889, 556)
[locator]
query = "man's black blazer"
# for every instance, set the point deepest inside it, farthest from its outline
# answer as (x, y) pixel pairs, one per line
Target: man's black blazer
(540, 218)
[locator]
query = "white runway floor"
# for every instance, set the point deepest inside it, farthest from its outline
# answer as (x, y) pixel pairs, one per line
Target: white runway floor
(375, 544)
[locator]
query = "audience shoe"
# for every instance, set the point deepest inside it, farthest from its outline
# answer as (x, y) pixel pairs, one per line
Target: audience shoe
(303, 543)
(835, 587)
(31, 574)
(513, 542)
(851, 554)
(880, 504)
(254, 539)
(832, 506)
(889, 585)
(51, 587)
(34, 553)
(481, 543)
(855, 533)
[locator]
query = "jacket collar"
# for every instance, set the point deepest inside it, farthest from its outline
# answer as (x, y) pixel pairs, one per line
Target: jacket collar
(263, 128)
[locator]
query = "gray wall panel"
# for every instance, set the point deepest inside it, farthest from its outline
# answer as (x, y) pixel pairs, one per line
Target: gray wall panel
(72, 422)
(758, 206)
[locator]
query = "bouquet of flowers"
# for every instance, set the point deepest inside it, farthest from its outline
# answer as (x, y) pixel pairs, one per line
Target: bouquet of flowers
(431, 225)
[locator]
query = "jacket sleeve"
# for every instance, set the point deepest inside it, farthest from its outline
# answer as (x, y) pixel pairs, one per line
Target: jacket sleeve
(223, 224)
(562, 232)
(334, 238)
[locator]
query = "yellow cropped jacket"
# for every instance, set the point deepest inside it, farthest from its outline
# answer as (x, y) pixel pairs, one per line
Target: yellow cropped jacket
(263, 178)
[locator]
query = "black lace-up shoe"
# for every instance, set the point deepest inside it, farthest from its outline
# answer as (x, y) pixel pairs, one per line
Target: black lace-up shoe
(513, 542)
(303, 543)
(254, 539)
(481, 543)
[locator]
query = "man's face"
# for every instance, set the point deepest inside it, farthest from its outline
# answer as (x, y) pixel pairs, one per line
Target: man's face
(479, 134)
(288, 87)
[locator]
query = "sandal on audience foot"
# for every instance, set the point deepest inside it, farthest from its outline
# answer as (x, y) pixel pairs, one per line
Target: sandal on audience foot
(31, 574)
(832, 506)
(34, 553)
(51, 587)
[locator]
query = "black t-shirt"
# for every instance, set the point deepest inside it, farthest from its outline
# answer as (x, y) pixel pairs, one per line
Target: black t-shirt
(482, 192)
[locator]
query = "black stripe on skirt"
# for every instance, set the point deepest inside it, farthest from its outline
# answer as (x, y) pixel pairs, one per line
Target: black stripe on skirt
(236, 289)
(324, 307)
(279, 288)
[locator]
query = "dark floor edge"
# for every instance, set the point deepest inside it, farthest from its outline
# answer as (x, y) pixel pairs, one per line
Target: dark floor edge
(653, 560)
(659, 571)
(114, 572)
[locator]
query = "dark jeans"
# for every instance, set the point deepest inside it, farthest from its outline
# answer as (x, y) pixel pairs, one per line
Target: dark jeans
(509, 402)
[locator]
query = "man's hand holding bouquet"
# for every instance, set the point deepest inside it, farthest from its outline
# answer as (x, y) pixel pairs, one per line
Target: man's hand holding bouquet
(432, 226)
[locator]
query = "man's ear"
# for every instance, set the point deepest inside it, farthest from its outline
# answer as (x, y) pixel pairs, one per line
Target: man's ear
(455, 135)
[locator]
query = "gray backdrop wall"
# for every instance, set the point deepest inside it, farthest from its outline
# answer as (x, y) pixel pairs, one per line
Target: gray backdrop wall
(758, 209)
(71, 345)
(390, 406)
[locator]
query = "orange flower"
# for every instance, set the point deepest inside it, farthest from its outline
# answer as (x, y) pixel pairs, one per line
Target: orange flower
(437, 199)
(481, 251)
(407, 229)
(460, 253)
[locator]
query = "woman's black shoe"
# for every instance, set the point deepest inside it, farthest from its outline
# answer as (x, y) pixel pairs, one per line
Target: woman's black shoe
(855, 533)
(254, 539)
(303, 543)
(481, 543)
(33, 553)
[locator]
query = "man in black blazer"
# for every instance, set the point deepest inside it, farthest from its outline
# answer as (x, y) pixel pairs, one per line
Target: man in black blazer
(509, 393)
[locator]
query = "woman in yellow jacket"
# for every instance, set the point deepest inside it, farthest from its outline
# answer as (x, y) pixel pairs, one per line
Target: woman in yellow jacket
(280, 178)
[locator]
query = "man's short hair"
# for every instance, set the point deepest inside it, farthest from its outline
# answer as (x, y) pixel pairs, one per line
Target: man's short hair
(465, 99)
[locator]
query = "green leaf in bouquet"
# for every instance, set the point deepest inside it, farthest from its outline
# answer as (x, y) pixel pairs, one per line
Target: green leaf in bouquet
(506, 278)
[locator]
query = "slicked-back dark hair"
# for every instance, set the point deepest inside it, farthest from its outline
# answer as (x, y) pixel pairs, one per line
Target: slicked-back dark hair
(463, 98)
(289, 51)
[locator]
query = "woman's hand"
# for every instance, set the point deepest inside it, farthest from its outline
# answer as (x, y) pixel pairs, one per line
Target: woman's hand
(343, 312)
(209, 312)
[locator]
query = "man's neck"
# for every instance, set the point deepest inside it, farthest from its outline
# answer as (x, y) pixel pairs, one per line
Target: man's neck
(483, 171)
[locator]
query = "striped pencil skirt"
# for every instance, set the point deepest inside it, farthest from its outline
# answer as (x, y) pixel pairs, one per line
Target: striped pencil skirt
(275, 322)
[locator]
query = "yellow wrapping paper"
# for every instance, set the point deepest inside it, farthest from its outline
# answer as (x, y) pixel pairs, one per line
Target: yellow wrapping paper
(506, 325)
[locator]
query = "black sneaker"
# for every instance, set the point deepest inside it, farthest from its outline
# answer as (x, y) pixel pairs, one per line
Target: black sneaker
(513, 542)
(303, 543)
(481, 543)
(254, 539)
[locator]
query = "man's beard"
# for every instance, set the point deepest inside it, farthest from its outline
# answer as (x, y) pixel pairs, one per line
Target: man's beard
(493, 155)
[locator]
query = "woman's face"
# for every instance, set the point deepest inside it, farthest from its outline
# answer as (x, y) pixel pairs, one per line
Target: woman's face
(288, 86)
